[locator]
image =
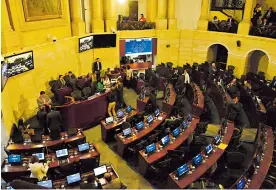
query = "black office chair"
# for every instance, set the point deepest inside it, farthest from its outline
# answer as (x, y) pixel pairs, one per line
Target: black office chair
(201, 128)
(58, 146)
(126, 125)
(29, 179)
(75, 143)
(36, 138)
(54, 133)
(153, 138)
(86, 92)
(235, 164)
(268, 184)
(65, 170)
(76, 95)
(19, 184)
(142, 76)
(93, 88)
(135, 151)
(87, 165)
(161, 171)
(234, 143)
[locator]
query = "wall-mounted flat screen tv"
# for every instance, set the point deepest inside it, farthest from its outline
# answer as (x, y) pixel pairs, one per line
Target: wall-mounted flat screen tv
(85, 43)
(104, 40)
(4, 74)
(141, 46)
(19, 63)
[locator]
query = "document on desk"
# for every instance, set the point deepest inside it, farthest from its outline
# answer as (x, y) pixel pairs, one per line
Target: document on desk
(102, 181)
(160, 118)
(222, 146)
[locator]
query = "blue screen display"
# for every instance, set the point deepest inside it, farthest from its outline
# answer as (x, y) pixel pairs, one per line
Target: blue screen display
(120, 114)
(182, 170)
(241, 184)
(217, 139)
(138, 46)
(149, 119)
(176, 132)
(157, 113)
(197, 159)
(150, 148)
(128, 109)
(73, 178)
(83, 147)
(209, 149)
(185, 124)
(165, 140)
(14, 158)
(62, 153)
(127, 131)
(40, 156)
(47, 183)
(140, 125)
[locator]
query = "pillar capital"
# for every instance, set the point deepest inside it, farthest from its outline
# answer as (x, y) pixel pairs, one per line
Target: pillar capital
(161, 20)
(202, 23)
(97, 16)
(151, 10)
(77, 23)
(244, 26)
(110, 15)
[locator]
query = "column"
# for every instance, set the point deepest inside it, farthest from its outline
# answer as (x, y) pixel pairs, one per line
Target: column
(77, 23)
(161, 21)
(97, 16)
(172, 23)
(110, 16)
(244, 26)
(202, 23)
(10, 39)
(151, 10)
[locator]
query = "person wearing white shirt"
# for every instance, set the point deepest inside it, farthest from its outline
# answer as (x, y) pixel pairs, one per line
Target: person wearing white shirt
(186, 77)
(106, 82)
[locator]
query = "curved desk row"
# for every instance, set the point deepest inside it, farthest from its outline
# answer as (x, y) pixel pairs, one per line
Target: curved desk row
(47, 142)
(167, 106)
(141, 104)
(186, 180)
(198, 103)
(146, 161)
(123, 143)
(10, 173)
(84, 113)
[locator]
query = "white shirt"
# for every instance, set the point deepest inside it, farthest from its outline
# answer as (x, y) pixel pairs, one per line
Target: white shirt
(98, 66)
(186, 78)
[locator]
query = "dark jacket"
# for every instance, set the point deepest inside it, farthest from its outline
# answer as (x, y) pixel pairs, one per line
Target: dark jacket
(95, 68)
(54, 119)
(271, 113)
(16, 134)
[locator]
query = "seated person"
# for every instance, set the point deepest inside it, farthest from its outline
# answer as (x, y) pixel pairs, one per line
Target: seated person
(61, 83)
(111, 184)
(43, 100)
(271, 113)
(232, 87)
(142, 18)
(68, 77)
(92, 183)
(273, 83)
(215, 20)
(175, 121)
(38, 170)
(26, 130)
(16, 134)
(106, 82)
(112, 99)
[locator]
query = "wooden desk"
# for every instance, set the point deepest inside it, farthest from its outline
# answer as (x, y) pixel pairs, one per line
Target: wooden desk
(9, 172)
(258, 178)
(47, 142)
(108, 129)
(123, 143)
(141, 104)
(140, 66)
(146, 162)
(186, 180)
(167, 106)
(198, 107)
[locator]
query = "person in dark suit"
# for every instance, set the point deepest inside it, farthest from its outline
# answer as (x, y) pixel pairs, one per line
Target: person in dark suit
(256, 14)
(92, 183)
(16, 134)
(269, 15)
(61, 83)
(232, 87)
(271, 113)
(264, 22)
(54, 121)
(120, 90)
(273, 83)
(97, 67)
(213, 71)
(69, 77)
(42, 118)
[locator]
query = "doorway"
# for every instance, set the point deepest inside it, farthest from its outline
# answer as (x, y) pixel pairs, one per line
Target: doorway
(257, 61)
(218, 53)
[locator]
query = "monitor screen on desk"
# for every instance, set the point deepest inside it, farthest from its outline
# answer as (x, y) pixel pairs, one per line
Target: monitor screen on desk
(14, 158)
(197, 160)
(120, 114)
(109, 120)
(209, 149)
(185, 124)
(241, 183)
(149, 119)
(47, 183)
(165, 140)
(140, 125)
(128, 109)
(150, 148)
(62, 153)
(100, 170)
(176, 132)
(182, 170)
(74, 178)
(157, 113)
(189, 118)
(39, 155)
(217, 139)
(127, 131)
(83, 147)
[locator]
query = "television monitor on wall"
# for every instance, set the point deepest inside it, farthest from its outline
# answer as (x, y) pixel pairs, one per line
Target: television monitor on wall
(4, 74)
(104, 40)
(85, 43)
(19, 63)
(141, 46)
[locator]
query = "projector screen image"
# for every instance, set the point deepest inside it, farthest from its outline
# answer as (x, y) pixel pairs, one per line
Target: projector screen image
(19, 63)
(85, 43)
(4, 74)
(140, 46)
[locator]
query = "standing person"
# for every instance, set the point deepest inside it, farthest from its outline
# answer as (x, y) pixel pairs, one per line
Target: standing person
(43, 100)
(128, 76)
(112, 98)
(38, 170)
(120, 89)
(256, 14)
(186, 77)
(61, 83)
(142, 18)
(54, 121)
(97, 67)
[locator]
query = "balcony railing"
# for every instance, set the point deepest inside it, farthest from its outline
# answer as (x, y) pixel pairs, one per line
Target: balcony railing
(223, 26)
(227, 4)
(136, 25)
(268, 31)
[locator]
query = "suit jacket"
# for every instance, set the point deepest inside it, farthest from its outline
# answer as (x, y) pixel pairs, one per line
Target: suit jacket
(54, 120)
(41, 101)
(271, 14)
(68, 79)
(41, 117)
(232, 21)
(114, 184)
(60, 84)
(95, 68)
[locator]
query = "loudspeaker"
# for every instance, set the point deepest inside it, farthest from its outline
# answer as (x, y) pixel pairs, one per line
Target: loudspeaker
(239, 43)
